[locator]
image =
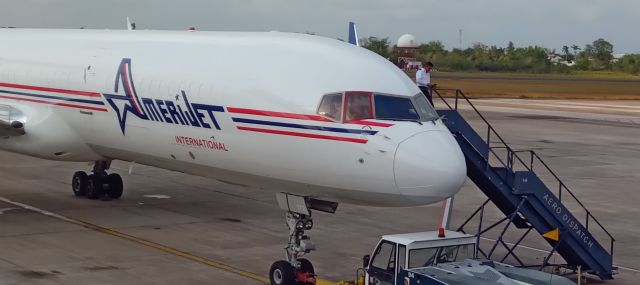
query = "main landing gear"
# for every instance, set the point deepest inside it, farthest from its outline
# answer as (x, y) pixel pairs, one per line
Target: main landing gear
(97, 184)
(295, 270)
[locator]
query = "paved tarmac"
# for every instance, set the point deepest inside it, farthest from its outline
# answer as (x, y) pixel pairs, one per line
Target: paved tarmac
(172, 228)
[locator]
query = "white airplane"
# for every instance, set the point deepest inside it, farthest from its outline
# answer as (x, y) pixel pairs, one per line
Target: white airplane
(282, 112)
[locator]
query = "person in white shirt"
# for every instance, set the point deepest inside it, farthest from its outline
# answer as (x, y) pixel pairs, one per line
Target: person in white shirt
(423, 79)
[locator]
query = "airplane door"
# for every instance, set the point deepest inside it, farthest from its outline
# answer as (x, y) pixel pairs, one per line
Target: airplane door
(86, 117)
(382, 269)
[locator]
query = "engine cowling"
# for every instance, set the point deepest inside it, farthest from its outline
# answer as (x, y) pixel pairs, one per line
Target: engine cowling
(44, 132)
(12, 122)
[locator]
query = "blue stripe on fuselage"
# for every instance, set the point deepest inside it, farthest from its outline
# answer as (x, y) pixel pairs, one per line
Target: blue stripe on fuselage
(308, 127)
(53, 97)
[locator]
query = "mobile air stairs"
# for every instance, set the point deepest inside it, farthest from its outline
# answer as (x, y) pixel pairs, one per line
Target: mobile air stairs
(508, 178)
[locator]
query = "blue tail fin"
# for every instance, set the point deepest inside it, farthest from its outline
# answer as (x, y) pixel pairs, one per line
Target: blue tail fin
(353, 34)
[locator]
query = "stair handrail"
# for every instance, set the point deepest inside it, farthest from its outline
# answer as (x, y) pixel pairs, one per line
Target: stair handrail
(511, 154)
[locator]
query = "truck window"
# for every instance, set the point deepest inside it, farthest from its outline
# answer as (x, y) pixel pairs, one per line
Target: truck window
(422, 257)
(391, 107)
(384, 257)
(455, 253)
(331, 106)
(402, 257)
(358, 106)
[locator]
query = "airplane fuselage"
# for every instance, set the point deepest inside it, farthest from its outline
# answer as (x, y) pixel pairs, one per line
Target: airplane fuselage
(241, 108)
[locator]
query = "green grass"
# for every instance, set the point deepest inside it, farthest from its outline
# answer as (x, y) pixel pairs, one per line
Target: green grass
(606, 75)
(601, 75)
(610, 86)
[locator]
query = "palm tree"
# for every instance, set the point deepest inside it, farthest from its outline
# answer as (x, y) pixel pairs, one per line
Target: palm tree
(565, 50)
(575, 49)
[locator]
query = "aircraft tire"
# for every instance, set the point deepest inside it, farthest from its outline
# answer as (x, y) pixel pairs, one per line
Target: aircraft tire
(306, 267)
(79, 183)
(282, 273)
(115, 187)
(95, 190)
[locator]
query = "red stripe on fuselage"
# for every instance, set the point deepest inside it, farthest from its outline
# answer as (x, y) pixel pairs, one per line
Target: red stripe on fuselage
(54, 90)
(277, 114)
(130, 88)
(304, 135)
(54, 103)
(299, 116)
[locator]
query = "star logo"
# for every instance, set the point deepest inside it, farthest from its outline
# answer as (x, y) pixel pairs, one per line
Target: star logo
(129, 102)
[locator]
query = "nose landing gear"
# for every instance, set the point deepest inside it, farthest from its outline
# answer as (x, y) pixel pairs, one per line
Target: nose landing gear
(97, 184)
(295, 270)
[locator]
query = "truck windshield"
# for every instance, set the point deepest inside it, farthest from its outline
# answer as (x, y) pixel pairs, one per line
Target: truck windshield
(455, 253)
(424, 257)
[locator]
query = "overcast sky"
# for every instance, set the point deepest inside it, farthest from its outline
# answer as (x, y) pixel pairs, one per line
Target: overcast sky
(549, 23)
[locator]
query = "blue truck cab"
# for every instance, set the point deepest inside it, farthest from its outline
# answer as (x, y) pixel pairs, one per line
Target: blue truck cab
(444, 257)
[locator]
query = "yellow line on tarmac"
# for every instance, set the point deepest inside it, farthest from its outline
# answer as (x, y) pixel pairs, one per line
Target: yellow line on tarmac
(176, 252)
(147, 243)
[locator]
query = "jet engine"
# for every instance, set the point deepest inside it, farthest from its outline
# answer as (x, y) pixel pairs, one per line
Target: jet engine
(12, 122)
(42, 132)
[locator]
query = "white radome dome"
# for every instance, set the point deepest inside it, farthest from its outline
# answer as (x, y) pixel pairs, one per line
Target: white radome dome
(407, 41)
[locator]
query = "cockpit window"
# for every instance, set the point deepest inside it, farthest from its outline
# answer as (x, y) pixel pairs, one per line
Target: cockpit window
(331, 106)
(391, 107)
(358, 106)
(426, 111)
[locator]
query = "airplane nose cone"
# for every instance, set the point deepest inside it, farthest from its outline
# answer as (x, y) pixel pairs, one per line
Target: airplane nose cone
(429, 167)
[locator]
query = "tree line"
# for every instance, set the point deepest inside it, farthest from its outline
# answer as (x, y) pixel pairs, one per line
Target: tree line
(597, 56)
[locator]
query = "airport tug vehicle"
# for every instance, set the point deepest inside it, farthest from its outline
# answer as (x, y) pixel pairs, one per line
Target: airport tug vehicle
(442, 257)
(424, 258)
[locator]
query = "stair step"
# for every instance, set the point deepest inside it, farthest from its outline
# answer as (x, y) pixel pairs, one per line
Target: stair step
(527, 182)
